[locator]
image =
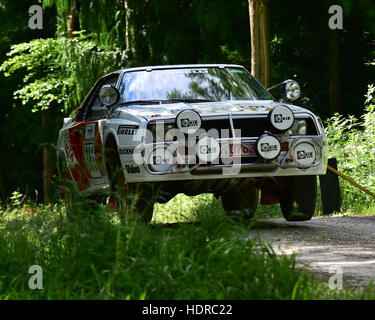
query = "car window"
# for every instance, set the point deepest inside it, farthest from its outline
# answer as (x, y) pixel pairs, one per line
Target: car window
(95, 109)
(217, 84)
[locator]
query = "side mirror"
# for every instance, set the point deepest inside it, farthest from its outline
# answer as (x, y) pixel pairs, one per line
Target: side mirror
(108, 95)
(289, 90)
(67, 120)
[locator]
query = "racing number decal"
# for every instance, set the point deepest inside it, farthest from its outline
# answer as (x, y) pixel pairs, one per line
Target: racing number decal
(90, 157)
(73, 147)
(92, 149)
(83, 146)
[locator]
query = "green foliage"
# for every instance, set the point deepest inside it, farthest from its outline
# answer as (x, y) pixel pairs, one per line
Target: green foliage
(59, 71)
(104, 19)
(352, 142)
(45, 80)
(85, 63)
(99, 258)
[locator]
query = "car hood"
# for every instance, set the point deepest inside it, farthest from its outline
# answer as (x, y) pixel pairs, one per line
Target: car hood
(235, 107)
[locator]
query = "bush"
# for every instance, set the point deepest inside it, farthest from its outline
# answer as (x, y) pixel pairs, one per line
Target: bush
(97, 257)
(352, 142)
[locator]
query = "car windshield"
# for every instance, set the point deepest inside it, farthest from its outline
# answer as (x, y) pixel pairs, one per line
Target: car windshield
(190, 85)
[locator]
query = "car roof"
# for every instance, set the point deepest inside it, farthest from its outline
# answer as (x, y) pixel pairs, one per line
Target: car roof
(179, 66)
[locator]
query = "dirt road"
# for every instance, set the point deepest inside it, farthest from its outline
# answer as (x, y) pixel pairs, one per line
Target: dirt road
(344, 241)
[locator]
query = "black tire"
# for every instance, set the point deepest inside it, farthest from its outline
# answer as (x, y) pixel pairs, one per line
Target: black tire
(242, 203)
(133, 201)
(298, 197)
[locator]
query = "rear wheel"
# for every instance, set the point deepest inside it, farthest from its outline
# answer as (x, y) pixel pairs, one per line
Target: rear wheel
(69, 190)
(242, 203)
(298, 196)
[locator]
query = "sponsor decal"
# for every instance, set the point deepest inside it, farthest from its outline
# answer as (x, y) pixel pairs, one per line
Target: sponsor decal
(132, 169)
(239, 150)
(125, 151)
(69, 151)
(304, 155)
(207, 149)
(90, 133)
(266, 147)
(127, 130)
(188, 123)
(278, 118)
(91, 161)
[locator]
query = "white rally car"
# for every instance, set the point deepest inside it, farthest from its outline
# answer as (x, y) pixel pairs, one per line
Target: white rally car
(146, 134)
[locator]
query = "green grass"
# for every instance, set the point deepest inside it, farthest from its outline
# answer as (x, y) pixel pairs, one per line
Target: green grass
(97, 257)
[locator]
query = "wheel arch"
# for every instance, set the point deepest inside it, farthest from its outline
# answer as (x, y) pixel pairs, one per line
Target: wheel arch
(61, 156)
(111, 155)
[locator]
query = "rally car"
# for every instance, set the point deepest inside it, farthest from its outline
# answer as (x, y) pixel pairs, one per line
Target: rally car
(145, 134)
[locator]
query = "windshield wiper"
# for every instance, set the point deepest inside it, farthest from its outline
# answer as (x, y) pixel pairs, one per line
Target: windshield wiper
(143, 102)
(165, 101)
(189, 100)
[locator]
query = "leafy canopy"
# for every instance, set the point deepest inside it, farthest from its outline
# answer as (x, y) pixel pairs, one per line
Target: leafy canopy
(59, 71)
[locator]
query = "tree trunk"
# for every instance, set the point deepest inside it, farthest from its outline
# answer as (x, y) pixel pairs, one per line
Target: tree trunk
(2, 186)
(48, 167)
(254, 37)
(334, 71)
(260, 41)
(70, 23)
(265, 47)
(127, 18)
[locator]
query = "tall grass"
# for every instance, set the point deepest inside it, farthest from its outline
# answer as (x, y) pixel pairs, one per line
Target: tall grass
(352, 142)
(99, 257)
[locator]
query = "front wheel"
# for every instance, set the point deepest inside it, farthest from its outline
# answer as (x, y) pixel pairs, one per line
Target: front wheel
(241, 202)
(131, 200)
(298, 195)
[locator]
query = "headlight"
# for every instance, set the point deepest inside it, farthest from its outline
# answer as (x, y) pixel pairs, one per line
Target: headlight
(299, 127)
(268, 147)
(161, 159)
(157, 131)
(292, 90)
(188, 121)
(280, 119)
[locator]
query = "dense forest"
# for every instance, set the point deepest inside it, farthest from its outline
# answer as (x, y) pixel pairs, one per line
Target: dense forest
(47, 72)
(197, 246)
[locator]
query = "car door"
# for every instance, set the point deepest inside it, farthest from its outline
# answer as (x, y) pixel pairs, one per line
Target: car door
(92, 130)
(84, 140)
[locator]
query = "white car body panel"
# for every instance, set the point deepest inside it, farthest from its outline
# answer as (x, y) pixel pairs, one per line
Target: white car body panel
(127, 126)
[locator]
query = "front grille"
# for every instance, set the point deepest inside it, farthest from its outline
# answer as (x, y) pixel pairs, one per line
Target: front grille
(221, 125)
(311, 128)
(243, 160)
(250, 127)
(245, 127)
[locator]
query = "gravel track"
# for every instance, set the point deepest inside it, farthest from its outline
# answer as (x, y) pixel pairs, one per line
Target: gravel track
(323, 242)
